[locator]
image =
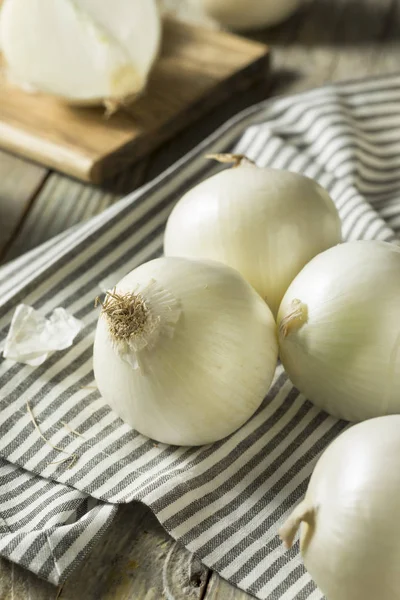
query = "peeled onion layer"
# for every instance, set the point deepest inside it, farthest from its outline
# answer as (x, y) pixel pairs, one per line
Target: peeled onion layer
(206, 365)
(350, 527)
(84, 51)
(339, 330)
(251, 14)
(266, 223)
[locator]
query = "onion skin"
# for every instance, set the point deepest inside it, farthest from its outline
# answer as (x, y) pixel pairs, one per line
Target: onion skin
(350, 528)
(204, 375)
(339, 330)
(265, 223)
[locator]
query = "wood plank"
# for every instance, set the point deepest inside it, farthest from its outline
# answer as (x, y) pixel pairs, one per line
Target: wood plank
(219, 589)
(137, 559)
(19, 182)
(312, 61)
(17, 583)
(322, 43)
(385, 56)
(63, 202)
(186, 140)
(197, 69)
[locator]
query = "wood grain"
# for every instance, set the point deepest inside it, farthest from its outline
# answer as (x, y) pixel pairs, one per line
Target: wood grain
(61, 203)
(18, 584)
(19, 182)
(334, 40)
(137, 560)
(219, 589)
(197, 69)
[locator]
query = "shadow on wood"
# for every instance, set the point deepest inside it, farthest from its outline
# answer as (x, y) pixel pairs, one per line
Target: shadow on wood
(137, 559)
(339, 23)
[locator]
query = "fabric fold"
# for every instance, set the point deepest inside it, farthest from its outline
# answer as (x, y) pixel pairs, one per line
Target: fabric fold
(224, 501)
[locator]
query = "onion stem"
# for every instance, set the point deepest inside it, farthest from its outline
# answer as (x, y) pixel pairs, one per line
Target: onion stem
(303, 513)
(295, 319)
(236, 160)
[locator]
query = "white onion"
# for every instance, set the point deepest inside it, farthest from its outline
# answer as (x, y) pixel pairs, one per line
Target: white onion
(251, 14)
(194, 356)
(339, 330)
(350, 534)
(84, 51)
(265, 223)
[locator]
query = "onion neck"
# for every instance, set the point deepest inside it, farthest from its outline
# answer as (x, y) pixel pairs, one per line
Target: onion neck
(126, 314)
(136, 320)
(236, 160)
(303, 513)
(297, 317)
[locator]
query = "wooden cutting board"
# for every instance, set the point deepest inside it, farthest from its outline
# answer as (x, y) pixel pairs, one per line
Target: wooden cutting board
(198, 68)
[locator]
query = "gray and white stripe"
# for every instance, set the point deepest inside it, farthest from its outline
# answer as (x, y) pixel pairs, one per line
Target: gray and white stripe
(223, 501)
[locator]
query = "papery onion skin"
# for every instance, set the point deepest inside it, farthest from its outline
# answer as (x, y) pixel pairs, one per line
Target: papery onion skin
(344, 355)
(252, 14)
(351, 529)
(205, 376)
(266, 223)
(85, 52)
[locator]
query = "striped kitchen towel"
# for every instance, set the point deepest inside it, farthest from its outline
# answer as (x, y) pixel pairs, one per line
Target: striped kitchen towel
(224, 501)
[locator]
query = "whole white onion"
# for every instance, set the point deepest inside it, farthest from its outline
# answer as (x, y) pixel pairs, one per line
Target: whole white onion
(266, 223)
(339, 330)
(84, 51)
(185, 351)
(249, 14)
(350, 526)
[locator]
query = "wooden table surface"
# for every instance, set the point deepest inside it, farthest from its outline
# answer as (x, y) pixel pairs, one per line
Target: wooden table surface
(328, 40)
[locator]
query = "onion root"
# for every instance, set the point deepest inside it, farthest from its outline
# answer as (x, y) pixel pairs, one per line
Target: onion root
(127, 314)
